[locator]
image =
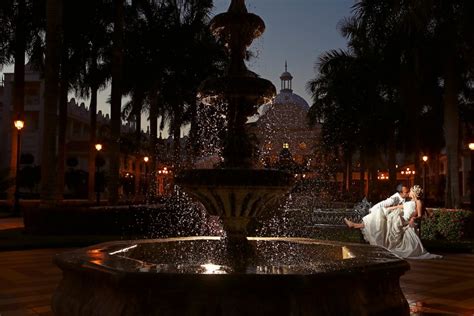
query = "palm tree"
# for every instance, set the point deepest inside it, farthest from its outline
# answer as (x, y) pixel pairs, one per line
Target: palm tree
(94, 73)
(434, 42)
(351, 103)
(116, 101)
(19, 78)
(25, 19)
(453, 35)
(53, 46)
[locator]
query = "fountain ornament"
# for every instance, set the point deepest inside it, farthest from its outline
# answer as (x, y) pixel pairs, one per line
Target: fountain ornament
(237, 275)
(236, 192)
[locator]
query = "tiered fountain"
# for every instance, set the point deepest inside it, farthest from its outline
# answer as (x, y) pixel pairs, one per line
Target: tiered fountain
(235, 274)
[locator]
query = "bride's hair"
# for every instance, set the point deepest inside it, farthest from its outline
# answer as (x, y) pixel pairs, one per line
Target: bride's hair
(417, 190)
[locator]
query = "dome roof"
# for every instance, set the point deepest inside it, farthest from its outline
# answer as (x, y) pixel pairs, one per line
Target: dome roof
(288, 97)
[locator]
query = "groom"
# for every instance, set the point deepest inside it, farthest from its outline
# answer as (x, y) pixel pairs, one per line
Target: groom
(396, 199)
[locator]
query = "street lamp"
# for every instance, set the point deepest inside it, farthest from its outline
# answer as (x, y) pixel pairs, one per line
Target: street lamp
(408, 173)
(98, 147)
(146, 159)
(425, 160)
(471, 178)
(19, 124)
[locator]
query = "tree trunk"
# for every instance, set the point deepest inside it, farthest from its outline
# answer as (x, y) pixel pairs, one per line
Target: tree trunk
(362, 175)
(345, 169)
(417, 178)
(138, 127)
(349, 174)
(177, 139)
(18, 90)
(451, 127)
(153, 129)
(116, 103)
(372, 180)
(392, 168)
(64, 88)
(138, 138)
(92, 142)
(153, 138)
(436, 189)
(51, 94)
(193, 135)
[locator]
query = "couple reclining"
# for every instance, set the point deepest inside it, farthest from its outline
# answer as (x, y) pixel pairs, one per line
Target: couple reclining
(391, 224)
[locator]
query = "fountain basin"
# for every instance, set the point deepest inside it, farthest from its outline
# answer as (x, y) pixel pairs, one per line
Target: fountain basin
(193, 276)
(235, 194)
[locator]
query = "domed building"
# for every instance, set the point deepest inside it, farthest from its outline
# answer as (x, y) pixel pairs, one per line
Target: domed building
(282, 128)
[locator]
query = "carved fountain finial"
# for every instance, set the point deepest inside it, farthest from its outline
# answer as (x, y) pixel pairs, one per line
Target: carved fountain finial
(237, 6)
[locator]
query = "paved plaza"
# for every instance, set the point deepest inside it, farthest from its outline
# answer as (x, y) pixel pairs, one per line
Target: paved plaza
(438, 287)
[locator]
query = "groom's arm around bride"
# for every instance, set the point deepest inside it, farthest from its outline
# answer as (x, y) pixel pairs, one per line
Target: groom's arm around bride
(396, 199)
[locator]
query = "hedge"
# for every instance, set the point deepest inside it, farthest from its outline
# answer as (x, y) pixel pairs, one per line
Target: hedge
(449, 224)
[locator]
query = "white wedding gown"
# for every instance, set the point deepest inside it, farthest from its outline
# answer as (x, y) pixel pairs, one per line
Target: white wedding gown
(375, 227)
(393, 232)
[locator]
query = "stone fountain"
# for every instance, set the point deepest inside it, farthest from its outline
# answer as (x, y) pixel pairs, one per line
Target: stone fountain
(236, 274)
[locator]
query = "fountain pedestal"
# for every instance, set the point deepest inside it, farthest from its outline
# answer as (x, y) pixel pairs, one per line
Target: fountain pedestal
(235, 194)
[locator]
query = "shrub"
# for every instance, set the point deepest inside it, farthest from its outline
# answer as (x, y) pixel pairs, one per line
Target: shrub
(449, 224)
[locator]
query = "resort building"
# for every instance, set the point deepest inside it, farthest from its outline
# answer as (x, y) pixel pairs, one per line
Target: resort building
(283, 130)
(77, 133)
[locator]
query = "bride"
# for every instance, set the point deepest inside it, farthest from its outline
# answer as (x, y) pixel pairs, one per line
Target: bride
(398, 233)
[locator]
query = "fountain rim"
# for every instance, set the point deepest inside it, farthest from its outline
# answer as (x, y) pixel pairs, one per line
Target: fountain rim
(365, 265)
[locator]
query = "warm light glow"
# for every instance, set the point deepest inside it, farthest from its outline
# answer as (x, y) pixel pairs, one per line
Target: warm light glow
(210, 268)
(145, 159)
(123, 250)
(346, 253)
(19, 124)
(425, 158)
(286, 145)
(408, 172)
(98, 147)
(471, 146)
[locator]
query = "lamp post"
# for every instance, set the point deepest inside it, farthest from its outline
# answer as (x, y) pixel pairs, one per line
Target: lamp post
(146, 159)
(162, 174)
(19, 124)
(98, 147)
(471, 176)
(425, 160)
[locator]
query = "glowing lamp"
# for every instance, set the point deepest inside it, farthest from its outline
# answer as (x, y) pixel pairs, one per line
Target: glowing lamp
(19, 124)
